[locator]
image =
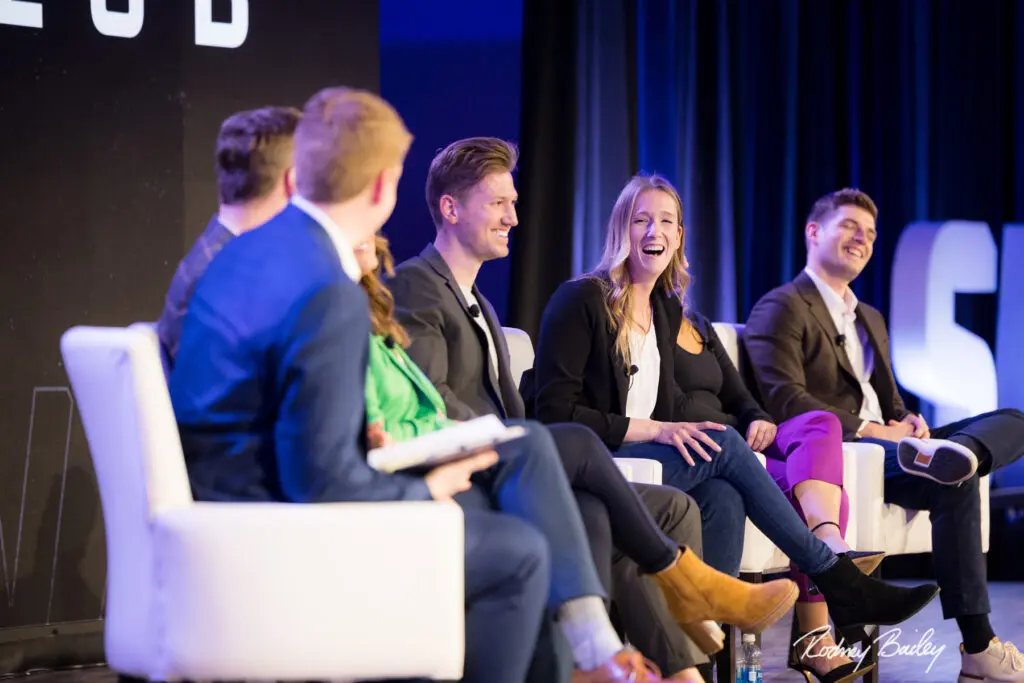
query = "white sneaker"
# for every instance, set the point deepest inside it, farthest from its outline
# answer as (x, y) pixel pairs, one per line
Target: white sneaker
(946, 462)
(1000, 662)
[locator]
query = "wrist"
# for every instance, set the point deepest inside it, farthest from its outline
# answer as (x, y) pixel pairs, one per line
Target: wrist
(866, 430)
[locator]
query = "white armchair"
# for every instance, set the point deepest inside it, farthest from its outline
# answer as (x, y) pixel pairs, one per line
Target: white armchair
(520, 349)
(252, 591)
(874, 524)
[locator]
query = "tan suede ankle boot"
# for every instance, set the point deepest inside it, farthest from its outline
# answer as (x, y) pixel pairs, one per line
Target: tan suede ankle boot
(696, 593)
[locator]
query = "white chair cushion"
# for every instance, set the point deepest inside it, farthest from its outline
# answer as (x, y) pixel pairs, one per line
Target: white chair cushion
(520, 351)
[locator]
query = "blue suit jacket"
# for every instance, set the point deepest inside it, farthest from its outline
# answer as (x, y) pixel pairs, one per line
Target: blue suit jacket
(269, 383)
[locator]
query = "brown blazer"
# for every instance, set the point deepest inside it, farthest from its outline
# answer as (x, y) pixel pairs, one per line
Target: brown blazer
(790, 341)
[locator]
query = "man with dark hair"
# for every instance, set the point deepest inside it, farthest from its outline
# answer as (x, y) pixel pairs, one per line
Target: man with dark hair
(814, 346)
(457, 340)
(255, 180)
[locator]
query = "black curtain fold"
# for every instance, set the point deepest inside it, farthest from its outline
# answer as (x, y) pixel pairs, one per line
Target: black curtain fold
(542, 245)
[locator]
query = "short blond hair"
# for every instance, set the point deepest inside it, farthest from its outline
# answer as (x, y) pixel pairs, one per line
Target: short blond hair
(462, 165)
(346, 138)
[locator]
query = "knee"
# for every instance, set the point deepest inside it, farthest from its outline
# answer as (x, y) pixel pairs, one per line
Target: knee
(538, 441)
(827, 423)
(525, 552)
(576, 437)
(732, 441)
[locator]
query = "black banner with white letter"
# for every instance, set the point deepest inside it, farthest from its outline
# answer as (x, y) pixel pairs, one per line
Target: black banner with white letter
(109, 110)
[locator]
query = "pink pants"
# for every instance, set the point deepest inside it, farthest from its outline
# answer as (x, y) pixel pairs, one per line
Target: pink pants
(809, 446)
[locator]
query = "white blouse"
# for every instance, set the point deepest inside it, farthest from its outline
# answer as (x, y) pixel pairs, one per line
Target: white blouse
(643, 385)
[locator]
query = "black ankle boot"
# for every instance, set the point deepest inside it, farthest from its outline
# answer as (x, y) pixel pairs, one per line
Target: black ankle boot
(855, 599)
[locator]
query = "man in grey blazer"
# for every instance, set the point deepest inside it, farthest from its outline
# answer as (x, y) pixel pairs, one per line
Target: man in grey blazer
(458, 342)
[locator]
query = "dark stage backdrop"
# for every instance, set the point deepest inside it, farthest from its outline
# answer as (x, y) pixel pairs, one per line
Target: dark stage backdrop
(452, 70)
(107, 177)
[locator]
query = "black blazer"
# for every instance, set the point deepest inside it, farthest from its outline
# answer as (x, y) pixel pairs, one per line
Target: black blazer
(448, 344)
(579, 377)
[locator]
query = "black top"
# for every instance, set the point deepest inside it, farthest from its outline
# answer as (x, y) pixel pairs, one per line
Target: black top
(712, 383)
(578, 375)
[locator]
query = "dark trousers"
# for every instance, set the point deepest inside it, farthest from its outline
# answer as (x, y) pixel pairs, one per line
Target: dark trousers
(529, 486)
(507, 586)
(633, 529)
(507, 581)
(955, 511)
(639, 605)
(590, 467)
(762, 499)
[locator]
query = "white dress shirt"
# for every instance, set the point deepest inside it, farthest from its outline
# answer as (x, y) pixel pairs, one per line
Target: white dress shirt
(843, 310)
(341, 244)
(492, 350)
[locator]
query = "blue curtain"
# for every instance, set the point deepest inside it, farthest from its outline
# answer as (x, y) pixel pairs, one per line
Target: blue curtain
(754, 109)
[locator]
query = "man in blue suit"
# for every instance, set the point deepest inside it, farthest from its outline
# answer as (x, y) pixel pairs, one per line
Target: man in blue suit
(268, 385)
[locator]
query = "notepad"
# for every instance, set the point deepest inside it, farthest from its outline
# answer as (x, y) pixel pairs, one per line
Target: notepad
(424, 453)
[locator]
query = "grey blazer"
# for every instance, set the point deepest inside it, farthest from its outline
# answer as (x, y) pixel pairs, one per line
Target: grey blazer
(448, 344)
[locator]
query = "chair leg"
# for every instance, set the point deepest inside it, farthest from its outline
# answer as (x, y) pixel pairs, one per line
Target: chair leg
(725, 660)
(872, 631)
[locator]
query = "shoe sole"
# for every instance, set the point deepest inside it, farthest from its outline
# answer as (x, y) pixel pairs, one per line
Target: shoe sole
(777, 613)
(948, 466)
(708, 643)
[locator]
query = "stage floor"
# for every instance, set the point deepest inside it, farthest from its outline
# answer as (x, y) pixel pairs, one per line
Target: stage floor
(1008, 620)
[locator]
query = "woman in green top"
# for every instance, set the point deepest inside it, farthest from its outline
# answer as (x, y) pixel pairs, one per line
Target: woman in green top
(402, 403)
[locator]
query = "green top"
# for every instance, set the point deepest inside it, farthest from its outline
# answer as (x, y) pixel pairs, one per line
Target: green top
(400, 395)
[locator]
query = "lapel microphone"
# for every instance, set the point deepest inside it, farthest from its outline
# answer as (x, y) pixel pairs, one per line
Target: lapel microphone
(840, 339)
(631, 371)
(389, 342)
(474, 311)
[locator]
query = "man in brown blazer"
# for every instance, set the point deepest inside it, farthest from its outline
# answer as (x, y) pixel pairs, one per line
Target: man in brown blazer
(813, 346)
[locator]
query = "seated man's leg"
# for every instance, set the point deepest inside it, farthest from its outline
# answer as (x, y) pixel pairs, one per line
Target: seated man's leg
(507, 578)
(955, 513)
(996, 438)
(529, 482)
(640, 603)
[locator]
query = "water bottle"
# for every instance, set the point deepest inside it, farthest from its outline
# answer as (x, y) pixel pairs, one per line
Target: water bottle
(748, 661)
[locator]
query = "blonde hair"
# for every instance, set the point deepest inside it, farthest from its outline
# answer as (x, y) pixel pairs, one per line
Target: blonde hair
(462, 165)
(613, 271)
(346, 138)
(382, 302)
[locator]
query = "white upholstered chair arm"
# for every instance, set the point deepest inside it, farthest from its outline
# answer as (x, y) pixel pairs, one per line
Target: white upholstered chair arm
(331, 585)
(640, 470)
(864, 479)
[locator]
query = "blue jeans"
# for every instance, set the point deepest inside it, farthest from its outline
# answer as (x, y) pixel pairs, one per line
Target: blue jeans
(763, 501)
